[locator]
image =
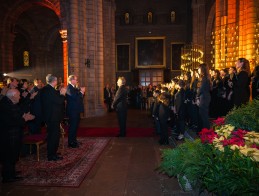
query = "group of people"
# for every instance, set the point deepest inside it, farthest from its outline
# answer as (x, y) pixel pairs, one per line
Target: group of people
(200, 95)
(21, 106)
(190, 100)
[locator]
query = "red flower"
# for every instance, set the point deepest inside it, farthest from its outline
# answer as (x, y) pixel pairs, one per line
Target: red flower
(255, 146)
(237, 141)
(219, 121)
(207, 135)
(225, 142)
(239, 133)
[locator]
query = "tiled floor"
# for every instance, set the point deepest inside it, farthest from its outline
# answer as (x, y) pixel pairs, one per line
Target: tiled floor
(126, 167)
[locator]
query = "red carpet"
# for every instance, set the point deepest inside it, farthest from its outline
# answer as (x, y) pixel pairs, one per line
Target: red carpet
(69, 172)
(113, 132)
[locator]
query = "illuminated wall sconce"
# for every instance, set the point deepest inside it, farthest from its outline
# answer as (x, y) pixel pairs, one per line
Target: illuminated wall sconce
(87, 62)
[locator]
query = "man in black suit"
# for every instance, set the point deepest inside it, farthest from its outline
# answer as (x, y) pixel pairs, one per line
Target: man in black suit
(120, 105)
(52, 111)
(35, 108)
(11, 119)
(74, 107)
(107, 97)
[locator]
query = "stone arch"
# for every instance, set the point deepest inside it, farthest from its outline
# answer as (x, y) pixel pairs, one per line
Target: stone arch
(10, 18)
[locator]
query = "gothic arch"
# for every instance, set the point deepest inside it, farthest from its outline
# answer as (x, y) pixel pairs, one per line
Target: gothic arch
(8, 25)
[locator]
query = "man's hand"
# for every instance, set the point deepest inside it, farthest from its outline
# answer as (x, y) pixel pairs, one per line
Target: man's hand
(82, 90)
(24, 94)
(28, 116)
(33, 95)
(63, 91)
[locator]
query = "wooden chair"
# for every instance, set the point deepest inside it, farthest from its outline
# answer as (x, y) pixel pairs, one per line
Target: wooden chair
(35, 139)
(39, 139)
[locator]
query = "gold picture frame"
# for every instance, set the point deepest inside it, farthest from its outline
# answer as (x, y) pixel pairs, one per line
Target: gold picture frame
(123, 57)
(150, 52)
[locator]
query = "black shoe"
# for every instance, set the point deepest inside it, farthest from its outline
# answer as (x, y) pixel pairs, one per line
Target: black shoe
(18, 173)
(55, 158)
(120, 135)
(78, 143)
(73, 145)
(162, 142)
(15, 179)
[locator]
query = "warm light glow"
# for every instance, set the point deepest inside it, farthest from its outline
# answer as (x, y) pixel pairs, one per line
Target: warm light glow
(63, 34)
(191, 57)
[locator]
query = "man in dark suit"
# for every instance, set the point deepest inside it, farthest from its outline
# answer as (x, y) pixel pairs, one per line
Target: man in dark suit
(35, 108)
(52, 111)
(74, 107)
(120, 105)
(107, 97)
(11, 119)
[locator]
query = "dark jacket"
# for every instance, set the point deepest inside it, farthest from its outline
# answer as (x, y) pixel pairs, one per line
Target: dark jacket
(107, 95)
(179, 102)
(255, 87)
(203, 93)
(241, 89)
(164, 112)
(52, 104)
(11, 122)
(74, 101)
(120, 99)
(36, 102)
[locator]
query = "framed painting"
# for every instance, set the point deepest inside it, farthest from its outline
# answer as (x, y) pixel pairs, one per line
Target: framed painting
(150, 52)
(176, 52)
(123, 57)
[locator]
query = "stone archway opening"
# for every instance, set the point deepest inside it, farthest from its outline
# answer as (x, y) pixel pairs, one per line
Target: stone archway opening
(37, 45)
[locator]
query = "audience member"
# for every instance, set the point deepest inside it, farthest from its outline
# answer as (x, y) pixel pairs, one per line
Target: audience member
(52, 110)
(74, 107)
(11, 119)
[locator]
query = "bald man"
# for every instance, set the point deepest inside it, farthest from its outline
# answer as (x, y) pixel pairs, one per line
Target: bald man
(11, 119)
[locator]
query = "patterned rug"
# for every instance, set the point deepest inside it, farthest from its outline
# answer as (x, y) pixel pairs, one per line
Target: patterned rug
(69, 172)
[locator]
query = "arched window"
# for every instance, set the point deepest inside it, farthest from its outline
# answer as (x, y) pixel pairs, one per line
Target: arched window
(149, 17)
(172, 16)
(127, 18)
(26, 59)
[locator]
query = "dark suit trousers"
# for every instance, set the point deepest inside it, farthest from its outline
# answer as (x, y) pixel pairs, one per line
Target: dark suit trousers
(53, 129)
(164, 130)
(35, 125)
(122, 117)
(73, 126)
(204, 118)
(9, 159)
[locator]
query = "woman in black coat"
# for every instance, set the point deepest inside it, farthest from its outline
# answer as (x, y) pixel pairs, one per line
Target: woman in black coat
(203, 94)
(255, 83)
(241, 88)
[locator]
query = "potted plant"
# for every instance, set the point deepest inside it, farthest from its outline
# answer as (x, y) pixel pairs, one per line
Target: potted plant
(224, 161)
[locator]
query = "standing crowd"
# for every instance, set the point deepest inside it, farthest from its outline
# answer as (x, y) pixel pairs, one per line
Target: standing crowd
(33, 106)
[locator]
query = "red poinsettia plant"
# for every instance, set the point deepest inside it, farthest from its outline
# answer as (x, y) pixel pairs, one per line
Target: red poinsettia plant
(226, 135)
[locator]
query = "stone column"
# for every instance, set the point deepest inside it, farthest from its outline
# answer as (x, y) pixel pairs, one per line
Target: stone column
(99, 58)
(73, 38)
(63, 34)
(250, 18)
(109, 41)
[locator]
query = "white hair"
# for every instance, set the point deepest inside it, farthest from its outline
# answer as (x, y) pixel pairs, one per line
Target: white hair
(11, 92)
(50, 78)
